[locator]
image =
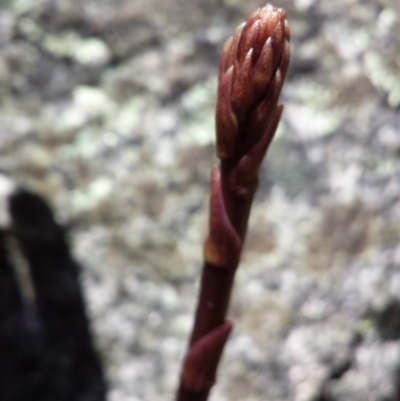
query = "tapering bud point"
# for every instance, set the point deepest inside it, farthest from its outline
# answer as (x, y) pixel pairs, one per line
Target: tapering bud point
(250, 60)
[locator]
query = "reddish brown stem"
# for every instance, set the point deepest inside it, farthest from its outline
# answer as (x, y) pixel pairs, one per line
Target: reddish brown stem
(217, 281)
(215, 291)
(192, 395)
(252, 67)
(237, 206)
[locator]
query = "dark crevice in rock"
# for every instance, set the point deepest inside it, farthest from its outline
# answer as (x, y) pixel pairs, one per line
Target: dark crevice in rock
(388, 322)
(337, 372)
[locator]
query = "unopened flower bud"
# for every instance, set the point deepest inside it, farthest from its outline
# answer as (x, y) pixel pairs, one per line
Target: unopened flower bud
(252, 67)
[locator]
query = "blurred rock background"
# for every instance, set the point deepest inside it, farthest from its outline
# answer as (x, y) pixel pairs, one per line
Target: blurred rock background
(106, 109)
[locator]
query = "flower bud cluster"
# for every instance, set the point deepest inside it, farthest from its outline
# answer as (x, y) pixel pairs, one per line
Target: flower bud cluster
(252, 68)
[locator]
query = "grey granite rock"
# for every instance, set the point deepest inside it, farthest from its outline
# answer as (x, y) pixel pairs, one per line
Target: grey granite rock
(107, 109)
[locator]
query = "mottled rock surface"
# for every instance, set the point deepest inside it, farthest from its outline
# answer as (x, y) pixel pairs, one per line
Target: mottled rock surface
(106, 109)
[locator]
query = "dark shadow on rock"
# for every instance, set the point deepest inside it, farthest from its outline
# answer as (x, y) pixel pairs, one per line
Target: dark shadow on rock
(46, 350)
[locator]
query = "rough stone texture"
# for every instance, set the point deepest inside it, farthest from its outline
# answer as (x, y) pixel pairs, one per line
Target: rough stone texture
(106, 109)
